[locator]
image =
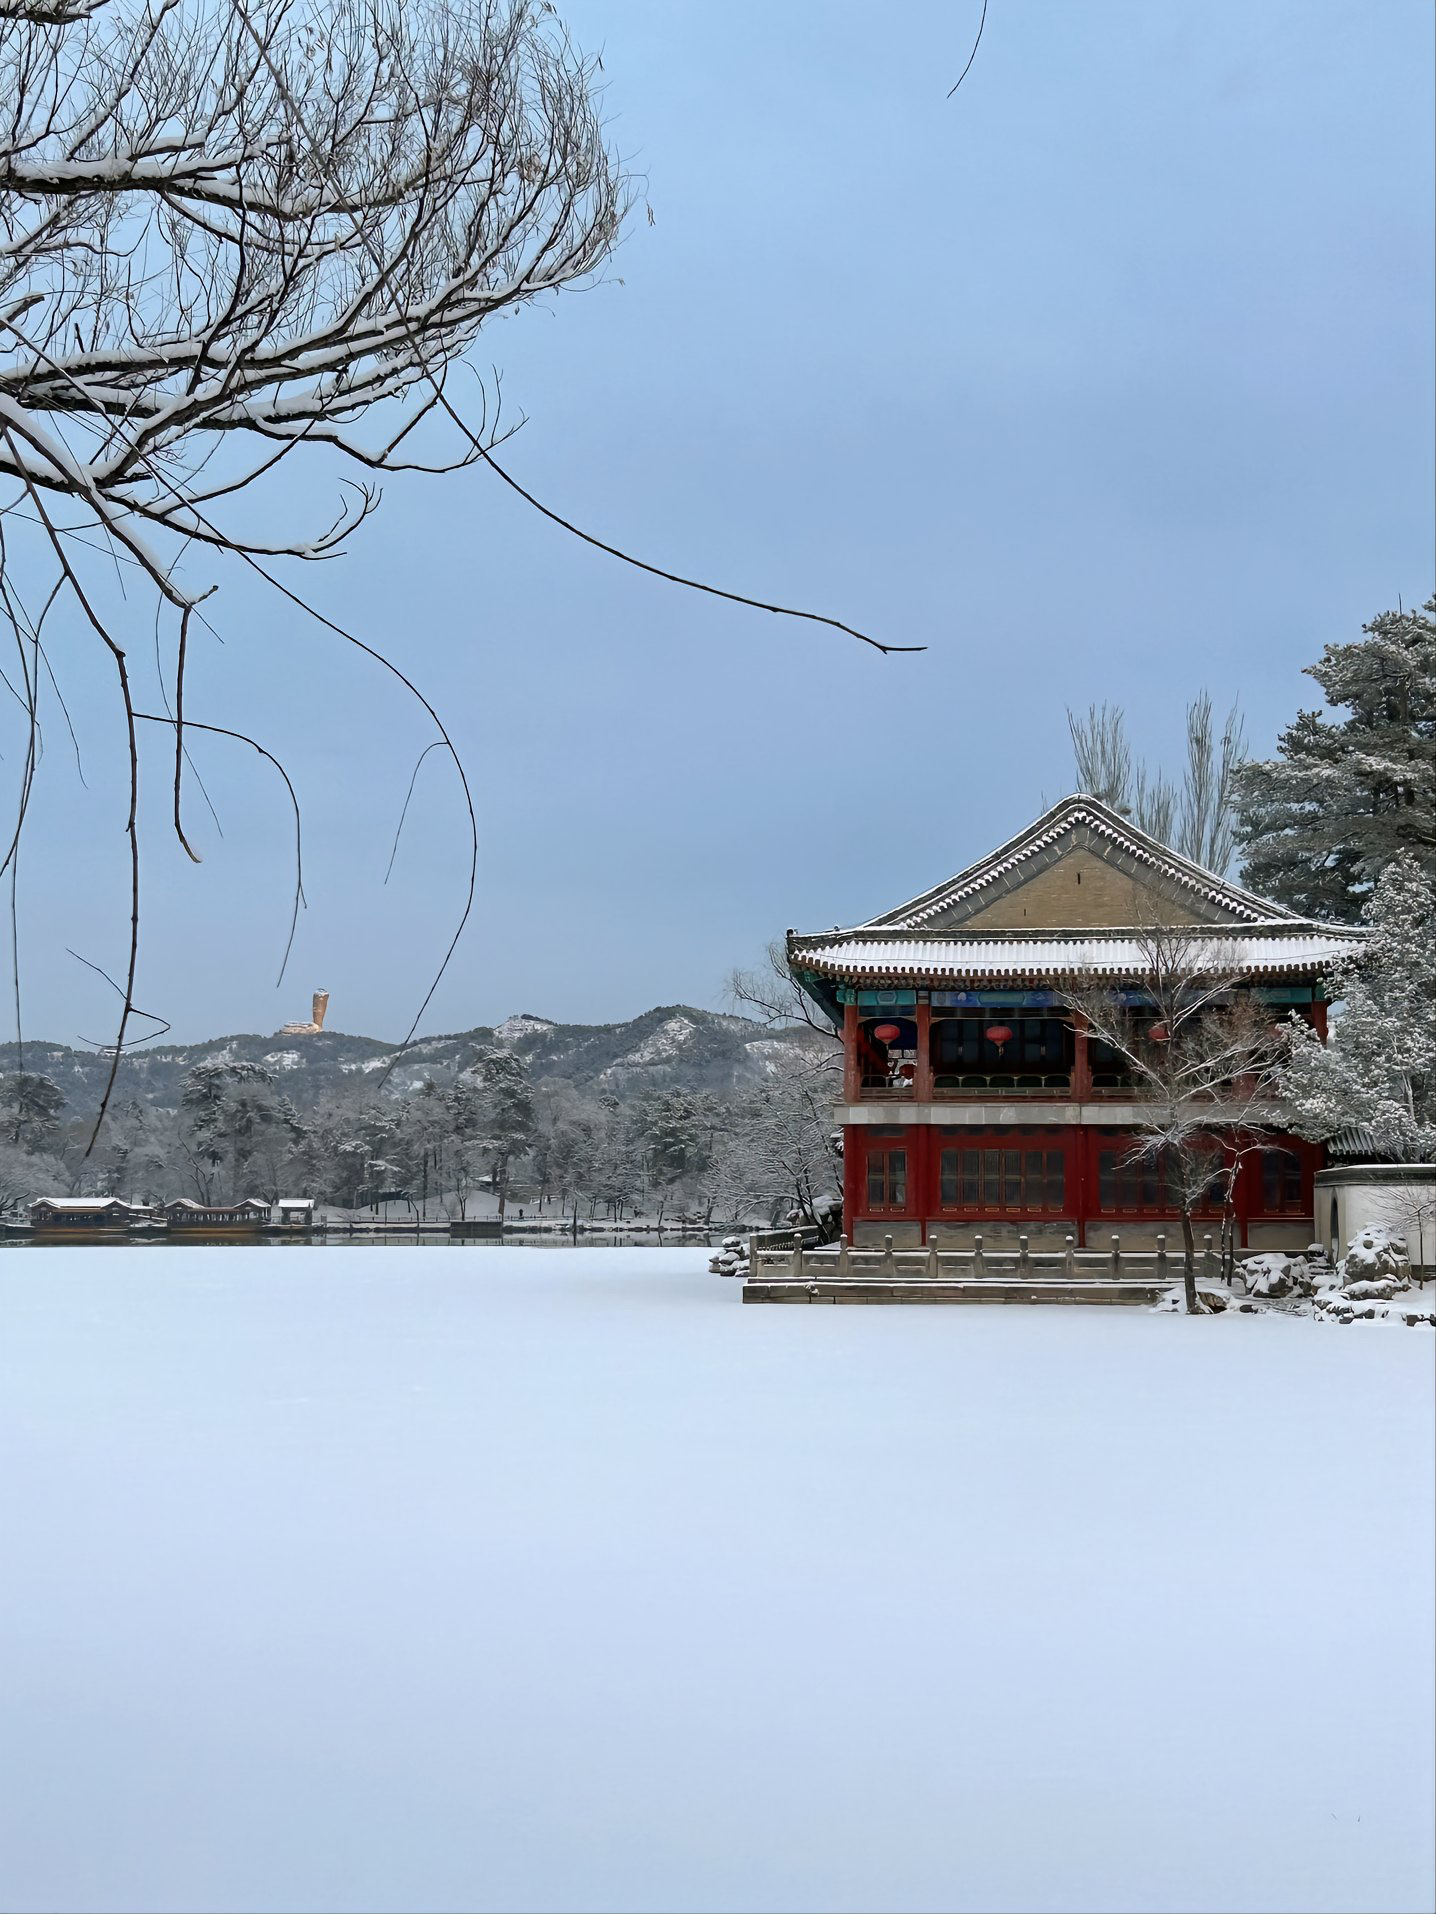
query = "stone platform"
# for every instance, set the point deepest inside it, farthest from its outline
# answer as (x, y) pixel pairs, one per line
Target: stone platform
(877, 1290)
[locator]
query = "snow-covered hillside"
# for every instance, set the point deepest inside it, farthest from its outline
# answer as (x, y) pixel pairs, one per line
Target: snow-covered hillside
(674, 1046)
(501, 1579)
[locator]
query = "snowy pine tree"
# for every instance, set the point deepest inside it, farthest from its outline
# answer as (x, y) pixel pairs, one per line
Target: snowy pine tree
(1342, 798)
(1379, 1069)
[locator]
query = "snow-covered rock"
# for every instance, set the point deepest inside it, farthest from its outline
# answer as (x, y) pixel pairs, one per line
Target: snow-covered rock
(1173, 1301)
(1277, 1274)
(1319, 1265)
(1373, 1255)
(1382, 1289)
(1404, 1306)
(1372, 1284)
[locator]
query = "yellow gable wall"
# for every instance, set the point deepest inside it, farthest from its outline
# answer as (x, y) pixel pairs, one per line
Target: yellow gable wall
(1080, 892)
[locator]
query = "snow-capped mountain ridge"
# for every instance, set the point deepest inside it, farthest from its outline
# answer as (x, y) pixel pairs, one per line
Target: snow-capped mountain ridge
(671, 1046)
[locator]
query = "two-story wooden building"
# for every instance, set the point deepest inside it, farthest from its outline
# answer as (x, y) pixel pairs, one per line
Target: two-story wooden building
(975, 1101)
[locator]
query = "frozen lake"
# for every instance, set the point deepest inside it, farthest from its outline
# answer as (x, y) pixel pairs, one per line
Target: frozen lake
(386, 1581)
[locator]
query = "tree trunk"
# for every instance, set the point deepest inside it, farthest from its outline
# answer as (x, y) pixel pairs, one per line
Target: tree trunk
(1189, 1265)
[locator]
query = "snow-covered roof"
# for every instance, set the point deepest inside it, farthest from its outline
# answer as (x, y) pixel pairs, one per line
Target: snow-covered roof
(241, 1203)
(1086, 954)
(85, 1204)
(1090, 824)
(295, 1203)
(940, 934)
(1356, 1144)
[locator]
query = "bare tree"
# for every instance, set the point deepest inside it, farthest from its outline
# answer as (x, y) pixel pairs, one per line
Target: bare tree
(1196, 817)
(235, 231)
(771, 995)
(1205, 1057)
(247, 226)
(231, 232)
(1209, 821)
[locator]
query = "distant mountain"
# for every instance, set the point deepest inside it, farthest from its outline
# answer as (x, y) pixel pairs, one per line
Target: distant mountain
(669, 1047)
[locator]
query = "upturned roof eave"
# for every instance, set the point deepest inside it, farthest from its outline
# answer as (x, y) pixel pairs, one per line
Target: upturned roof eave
(1037, 975)
(818, 958)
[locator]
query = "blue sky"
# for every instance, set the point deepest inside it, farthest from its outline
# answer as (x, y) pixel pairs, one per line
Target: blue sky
(1110, 377)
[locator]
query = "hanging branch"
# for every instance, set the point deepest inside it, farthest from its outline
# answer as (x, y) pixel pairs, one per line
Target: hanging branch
(971, 56)
(225, 237)
(135, 1011)
(437, 745)
(676, 578)
(223, 731)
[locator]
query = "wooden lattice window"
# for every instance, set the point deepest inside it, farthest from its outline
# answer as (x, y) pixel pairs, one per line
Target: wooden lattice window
(1001, 1180)
(1283, 1187)
(887, 1180)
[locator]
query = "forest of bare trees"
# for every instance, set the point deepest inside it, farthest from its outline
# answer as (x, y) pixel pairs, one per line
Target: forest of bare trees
(488, 1140)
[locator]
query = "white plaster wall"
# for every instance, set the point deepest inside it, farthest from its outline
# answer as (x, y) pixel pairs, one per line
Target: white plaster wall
(1409, 1208)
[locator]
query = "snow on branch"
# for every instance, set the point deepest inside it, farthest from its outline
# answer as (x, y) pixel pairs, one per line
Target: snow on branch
(234, 229)
(266, 222)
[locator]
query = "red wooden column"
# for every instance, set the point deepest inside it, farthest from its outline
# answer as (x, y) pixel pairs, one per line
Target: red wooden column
(852, 1076)
(922, 1080)
(1081, 1064)
(855, 1171)
(1078, 1179)
(1318, 1018)
(923, 1160)
(1248, 1193)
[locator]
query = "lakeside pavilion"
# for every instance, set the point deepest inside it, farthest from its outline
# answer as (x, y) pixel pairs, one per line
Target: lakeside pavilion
(974, 1101)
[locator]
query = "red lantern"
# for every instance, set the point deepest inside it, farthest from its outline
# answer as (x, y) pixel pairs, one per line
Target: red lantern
(887, 1033)
(908, 1070)
(999, 1034)
(1159, 1033)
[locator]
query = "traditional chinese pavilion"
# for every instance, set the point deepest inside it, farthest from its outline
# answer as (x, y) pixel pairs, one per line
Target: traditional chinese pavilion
(87, 1216)
(974, 1102)
(246, 1216)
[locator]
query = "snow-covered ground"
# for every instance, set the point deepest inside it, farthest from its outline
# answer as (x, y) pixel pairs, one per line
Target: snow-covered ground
(363, 1579)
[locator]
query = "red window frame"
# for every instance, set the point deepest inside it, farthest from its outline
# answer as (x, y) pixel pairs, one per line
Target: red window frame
(888, 1172)
(1284, 1187)
(1142, 1186)
(985, 1177)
